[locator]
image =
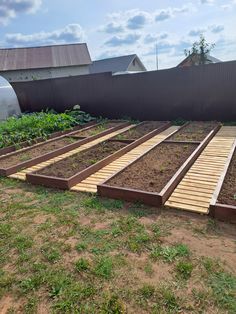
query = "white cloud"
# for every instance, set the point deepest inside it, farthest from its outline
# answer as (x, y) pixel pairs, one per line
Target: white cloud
(216, 28)
(207, 1)
(151, 38)
(70, 33)
(10, 8)
(112, 28)
(128, 39)
(197, 32)
(168, 13)
(138, 19)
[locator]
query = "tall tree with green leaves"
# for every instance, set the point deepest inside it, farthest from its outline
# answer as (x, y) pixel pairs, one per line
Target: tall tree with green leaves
(199, 53)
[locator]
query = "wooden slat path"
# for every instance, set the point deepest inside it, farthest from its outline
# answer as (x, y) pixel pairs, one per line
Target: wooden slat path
(195, 191)
(90, 183)
(21, 175)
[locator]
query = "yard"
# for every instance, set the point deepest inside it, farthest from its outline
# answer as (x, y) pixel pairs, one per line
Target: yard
(67, 252)
(64, 252)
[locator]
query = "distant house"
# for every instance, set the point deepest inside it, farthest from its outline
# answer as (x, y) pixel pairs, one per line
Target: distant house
(35, 63)
(130, 63)
(195, 59)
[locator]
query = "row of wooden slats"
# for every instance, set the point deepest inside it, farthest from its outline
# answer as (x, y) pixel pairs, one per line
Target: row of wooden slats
(195, 191)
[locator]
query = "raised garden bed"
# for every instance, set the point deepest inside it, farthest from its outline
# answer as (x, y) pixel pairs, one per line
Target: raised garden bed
(13, 148)
(152, 177)
(74, 169)
(93, 130)
(30, 156)
(140, 130)
(152, 172)
(14, 159)
(223, 204)
(68, 167)
(194, 131)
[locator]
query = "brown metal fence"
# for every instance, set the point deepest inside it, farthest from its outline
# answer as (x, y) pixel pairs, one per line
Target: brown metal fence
(196, 93)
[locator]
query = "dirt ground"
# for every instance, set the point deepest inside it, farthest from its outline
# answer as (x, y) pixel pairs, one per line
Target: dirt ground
(34, 152)
(152, 172)
(194, 131)
(228, 192)
(63, 252)
(96, 129)
(78, 162)
(139, 131)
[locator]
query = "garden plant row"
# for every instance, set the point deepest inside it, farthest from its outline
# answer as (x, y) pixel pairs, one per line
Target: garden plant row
(29, 128)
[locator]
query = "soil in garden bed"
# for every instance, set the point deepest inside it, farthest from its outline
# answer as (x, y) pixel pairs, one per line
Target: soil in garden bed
(153, 171)
(34, 152)
(194, 131)
(228, 192)
(68, 167)
(97, 129)
(140, 130)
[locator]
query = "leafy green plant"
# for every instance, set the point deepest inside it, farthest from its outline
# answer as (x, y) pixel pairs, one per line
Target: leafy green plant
(184, 269)
(104, 267)
(113, 305)
(29, 126)
(170, 253)
(82, 265)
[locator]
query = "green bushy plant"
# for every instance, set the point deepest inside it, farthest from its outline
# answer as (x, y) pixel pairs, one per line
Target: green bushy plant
(29, 126)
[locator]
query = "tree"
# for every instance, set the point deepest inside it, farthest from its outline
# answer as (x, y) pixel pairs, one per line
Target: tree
(200, 51)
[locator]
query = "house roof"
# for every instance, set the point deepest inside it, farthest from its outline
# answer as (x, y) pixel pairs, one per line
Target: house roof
(117, 64)
(187, 60)
(44, 57)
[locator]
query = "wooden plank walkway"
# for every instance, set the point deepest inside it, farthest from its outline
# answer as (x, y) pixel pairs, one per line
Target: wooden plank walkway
(90, 183)
(21, 175)
(195, 191)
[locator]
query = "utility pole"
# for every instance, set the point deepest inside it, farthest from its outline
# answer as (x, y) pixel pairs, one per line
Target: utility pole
(156, 56)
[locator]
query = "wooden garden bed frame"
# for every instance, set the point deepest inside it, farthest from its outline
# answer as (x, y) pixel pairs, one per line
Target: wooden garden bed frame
(222, 211)
(67, 183)
(54, 153)
(12, 148)
(152, 198)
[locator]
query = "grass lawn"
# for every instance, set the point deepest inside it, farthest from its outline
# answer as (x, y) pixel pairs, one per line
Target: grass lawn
(63, 252)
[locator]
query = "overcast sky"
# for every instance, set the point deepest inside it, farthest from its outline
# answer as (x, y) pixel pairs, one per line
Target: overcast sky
(117, 27)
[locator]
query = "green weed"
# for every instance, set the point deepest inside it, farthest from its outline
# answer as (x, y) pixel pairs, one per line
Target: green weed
(184, 269)
(82, 265)
(104, 267)
(223, 286)
(113, 305)
(51, 253)
(170, 253)
(147, 291)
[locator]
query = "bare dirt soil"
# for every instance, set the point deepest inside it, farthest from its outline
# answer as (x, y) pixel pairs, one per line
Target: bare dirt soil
(194, 131)
(34, 152)
(228, 192)
(152, 172)
(76, 163)
(96, 129)
(140, 131)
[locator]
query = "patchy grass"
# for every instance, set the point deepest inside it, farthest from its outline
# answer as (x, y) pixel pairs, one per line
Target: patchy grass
(63, 252)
